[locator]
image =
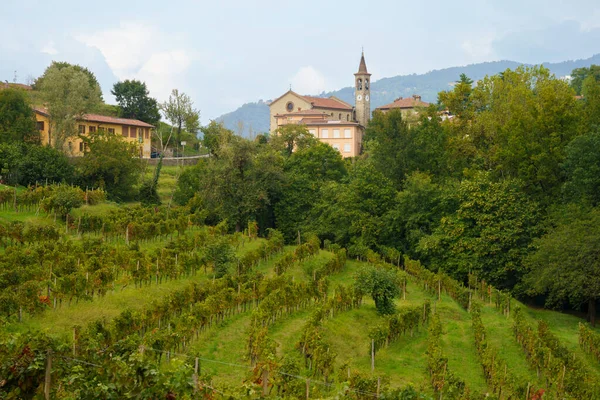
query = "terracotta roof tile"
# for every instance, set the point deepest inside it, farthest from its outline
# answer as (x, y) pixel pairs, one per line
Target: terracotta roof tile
(409, 102)
(319, 102)
(303, 112)
(117, 121)
(104, 119)
(330, 102)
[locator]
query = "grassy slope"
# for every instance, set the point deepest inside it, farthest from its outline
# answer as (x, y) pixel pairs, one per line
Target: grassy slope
(225, 343)
(404, 361)
(62, 320)
(167, 181)
(500, 336)
(566, 327)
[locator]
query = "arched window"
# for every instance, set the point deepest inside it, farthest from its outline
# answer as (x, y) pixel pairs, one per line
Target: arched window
(347, 117)
(366, 84)
(359, 84)
(340, 116)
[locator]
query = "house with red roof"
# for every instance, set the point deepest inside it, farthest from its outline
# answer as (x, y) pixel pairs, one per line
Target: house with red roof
(408, 106)
(131, 130)
(330, 119)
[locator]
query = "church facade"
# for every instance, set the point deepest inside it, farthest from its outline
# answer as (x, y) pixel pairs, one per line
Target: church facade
(331, 120)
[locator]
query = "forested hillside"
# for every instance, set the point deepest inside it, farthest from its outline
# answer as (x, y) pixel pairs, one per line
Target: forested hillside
(254, 117)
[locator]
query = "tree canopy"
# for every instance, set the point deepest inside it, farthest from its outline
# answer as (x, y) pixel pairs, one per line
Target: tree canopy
(382, 284)
(134, 101)
(566, 263)
(112, 164)
(68, 94)
(17, 118)
(180, 112)
(579, 75)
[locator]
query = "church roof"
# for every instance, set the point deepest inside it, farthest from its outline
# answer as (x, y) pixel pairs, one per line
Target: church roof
(362, 67)
(319, 102)
(328, 102)
(409, 102)
(303, 112)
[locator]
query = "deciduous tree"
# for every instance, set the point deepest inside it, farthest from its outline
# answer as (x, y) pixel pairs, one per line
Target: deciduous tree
(112, 164)
(582, 170)
(382, 284)
(489, 234)
(579, 75)
(17, 119)
(180, 112)
(135, 102)
(68, 95)
(566, 263)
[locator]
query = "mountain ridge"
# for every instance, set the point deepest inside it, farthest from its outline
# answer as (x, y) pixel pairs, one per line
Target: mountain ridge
(252, 118)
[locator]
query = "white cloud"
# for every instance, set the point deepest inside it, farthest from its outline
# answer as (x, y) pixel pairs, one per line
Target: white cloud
(135, 50)
(161, 70)
(308, 81)
(478, 49)
(50, 48)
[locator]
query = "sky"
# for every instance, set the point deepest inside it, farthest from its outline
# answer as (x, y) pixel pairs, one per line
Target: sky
(226, 53)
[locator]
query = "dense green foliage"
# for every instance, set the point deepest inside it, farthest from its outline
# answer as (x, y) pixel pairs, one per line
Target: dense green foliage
(111, 164)
(17, 120)
(466, 194)
(69, 92)
(134, 101)
(382, 285)
(180, 112)
(579, 75)
(27, 164)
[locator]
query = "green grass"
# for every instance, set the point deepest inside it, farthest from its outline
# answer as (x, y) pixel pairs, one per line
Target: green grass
(501, 338)
(61, 321)
(225, 343)
(404, 361)
(6, 187)
(25, 216)
(98, 210)
(167, 182)
(566, 328)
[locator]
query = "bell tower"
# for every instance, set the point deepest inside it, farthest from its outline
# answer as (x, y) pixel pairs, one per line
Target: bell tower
(362, 93)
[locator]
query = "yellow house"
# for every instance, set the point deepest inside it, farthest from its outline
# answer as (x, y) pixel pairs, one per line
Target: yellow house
(331, 120)
(131, 130)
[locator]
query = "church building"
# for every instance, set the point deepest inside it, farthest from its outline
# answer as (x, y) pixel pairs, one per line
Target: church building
(331, 120)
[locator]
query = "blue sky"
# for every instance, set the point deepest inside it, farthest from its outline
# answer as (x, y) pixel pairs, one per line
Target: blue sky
(225, 53)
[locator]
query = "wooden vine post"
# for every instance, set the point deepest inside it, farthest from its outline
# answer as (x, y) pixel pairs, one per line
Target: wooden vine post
(372, 354)
(307, 389)
(195, 377)
(265, 382)
(48, 375)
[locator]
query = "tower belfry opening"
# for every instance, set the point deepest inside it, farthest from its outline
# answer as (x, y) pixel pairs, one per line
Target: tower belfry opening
(362, 92)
